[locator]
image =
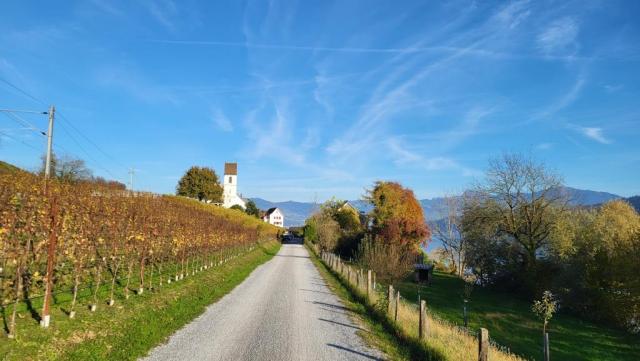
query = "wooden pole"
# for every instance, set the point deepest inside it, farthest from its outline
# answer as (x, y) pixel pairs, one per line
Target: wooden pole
(422, 327)
(483, 345)
(369, 284)
(546, 346)
(391, 293)
(397, 305)
(374, 281)
(51, 258)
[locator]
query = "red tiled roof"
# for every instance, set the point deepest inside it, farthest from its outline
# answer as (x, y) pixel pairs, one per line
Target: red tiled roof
(231, 169)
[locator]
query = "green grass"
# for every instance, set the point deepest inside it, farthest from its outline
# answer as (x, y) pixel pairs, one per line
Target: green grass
(512, 324)
(132, 327)
(380, 332)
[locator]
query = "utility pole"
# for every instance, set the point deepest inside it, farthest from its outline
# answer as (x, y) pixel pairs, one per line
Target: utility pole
(131, 173)
(51, 249)
(47, 166)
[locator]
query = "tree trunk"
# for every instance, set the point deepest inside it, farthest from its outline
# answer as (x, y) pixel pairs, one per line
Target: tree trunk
(126, 287)
(95, 291)
(113, 284)
(141, 289)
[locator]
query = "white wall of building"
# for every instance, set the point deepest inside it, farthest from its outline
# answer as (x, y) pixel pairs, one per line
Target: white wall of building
(276, 218)
(230, 192)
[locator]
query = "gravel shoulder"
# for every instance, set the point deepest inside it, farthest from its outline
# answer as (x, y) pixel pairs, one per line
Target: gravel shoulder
(282, 311)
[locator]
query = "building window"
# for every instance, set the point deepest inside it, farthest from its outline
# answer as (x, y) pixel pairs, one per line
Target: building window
(230, 178)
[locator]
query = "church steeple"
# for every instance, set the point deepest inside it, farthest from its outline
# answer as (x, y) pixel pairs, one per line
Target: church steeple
(230, 186)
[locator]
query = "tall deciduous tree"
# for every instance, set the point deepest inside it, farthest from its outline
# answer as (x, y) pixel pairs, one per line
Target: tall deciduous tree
(201, 183)
(397, 215)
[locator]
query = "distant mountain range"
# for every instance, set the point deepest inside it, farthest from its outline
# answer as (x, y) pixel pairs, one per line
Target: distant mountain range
(295, 213)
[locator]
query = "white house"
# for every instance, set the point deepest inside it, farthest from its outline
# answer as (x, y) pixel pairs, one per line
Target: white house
(230, 196)
(274, 216)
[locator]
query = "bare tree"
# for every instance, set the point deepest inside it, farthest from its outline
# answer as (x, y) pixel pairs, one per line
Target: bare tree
(448, 231)
(520, 200)
(68, 168)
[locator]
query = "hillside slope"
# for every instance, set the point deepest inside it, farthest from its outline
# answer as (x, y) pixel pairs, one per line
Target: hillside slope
(8, 168)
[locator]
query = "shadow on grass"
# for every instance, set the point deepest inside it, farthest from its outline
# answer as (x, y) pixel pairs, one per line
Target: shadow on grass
(5, 325)
(27, 301)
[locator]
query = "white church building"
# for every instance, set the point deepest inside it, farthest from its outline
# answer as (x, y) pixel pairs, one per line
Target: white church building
(230, 195)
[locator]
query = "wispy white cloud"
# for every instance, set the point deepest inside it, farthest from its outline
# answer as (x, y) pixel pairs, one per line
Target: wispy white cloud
(594, 133)
(107, 7)
(544, 146)
(163, 11)
(403, 156)
(612, 88)
(513, 14)
(559, 37)
(221, 120)
(565, 100)
(130, 80)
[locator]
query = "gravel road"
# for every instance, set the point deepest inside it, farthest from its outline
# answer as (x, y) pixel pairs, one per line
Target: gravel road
(282, 311)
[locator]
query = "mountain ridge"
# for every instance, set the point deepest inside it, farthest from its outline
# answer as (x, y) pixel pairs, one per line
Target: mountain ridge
(295, 213)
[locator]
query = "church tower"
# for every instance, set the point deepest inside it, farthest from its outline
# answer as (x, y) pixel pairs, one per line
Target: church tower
(230, 186)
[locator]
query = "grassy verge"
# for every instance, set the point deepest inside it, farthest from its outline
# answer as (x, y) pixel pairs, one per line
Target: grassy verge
(381, 333)
(512, 324)
(132, 327)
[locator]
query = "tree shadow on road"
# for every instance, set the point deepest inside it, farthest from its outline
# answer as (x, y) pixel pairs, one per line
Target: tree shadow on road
(343, 324)
(354, 351)
(331, 305)
(307, 290)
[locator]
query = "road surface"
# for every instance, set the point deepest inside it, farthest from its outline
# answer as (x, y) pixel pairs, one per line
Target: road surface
(282, 311)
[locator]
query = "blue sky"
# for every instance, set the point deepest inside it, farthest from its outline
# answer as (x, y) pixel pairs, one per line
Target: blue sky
(317, 98)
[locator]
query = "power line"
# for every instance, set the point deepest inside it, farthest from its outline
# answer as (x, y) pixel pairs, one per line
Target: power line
(67, 121)
(20, 140)
(87, 153)
(24, 122)
(23, 92)
(23, 111)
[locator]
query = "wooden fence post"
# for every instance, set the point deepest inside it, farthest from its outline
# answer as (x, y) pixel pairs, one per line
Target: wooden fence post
(369, 284)
(391, 293)
(422, 327)
(397, 305)
(483, 345)
(546, 346)
(374, 281)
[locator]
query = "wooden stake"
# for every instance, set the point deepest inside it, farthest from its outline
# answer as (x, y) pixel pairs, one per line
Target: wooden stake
(422, 327)
(483, 345)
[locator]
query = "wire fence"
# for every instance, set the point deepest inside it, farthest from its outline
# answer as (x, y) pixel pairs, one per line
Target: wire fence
(169, 271)
(417, 322)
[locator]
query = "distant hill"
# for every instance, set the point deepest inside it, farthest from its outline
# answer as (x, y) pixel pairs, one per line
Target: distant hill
(8, 168)
(585, 197)
(297, 212)
(635, 202)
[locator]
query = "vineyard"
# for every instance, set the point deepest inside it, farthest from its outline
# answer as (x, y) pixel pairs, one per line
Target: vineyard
(84, 243)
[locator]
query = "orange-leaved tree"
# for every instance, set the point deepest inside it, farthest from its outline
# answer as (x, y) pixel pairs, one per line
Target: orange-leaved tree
(398, 218)
(397, 231)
